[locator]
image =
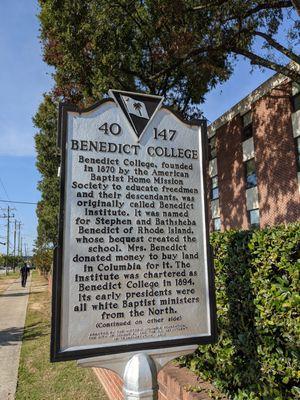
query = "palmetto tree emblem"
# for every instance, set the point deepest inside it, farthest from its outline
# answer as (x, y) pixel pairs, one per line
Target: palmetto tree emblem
(137, 107)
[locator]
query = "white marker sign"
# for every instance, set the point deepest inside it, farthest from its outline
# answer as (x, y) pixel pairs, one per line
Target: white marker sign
(132, 269)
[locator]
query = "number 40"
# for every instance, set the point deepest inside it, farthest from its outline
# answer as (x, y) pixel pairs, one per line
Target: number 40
(114, 129)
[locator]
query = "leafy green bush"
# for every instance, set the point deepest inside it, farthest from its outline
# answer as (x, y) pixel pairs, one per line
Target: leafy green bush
(257, 289)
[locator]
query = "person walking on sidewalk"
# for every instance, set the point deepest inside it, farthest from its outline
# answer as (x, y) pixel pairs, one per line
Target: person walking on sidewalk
(24, 274)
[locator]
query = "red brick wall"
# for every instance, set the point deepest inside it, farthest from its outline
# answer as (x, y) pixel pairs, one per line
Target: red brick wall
(207, 184)
(279, 200)
(231, 175)
(111, 382)
(174, 384)
(275, 158)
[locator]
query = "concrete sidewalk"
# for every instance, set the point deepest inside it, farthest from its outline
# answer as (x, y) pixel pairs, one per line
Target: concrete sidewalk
(13, 306)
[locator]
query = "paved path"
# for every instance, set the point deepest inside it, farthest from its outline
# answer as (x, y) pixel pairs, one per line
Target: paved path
(13, 305)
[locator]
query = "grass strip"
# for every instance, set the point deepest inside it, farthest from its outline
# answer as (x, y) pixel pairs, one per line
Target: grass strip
(7, 280)
(39, 379)
(10, 275)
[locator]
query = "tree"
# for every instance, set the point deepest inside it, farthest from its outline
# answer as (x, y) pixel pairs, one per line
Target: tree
(10, 260)
(47, 163)
(179, 51)
(42, 260)
(176, 49)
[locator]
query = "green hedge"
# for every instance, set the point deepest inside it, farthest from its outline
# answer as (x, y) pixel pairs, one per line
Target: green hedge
(257, 290)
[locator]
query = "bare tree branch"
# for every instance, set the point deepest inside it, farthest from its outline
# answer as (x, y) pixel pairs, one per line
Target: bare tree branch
(258, 60)
(278, 46)
(260, 7)
(268, 6)
(188, 57)
(296, 4)
(207, 5)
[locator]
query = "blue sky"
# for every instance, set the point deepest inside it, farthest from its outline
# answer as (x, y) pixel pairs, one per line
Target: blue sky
(23, 80)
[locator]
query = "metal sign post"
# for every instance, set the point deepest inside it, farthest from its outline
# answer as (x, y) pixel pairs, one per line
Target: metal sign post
(138, 370)
(140, 378)
(133, 278)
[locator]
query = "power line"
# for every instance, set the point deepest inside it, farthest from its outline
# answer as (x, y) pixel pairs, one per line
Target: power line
(15, 201)
(6, 193)
(2, 184)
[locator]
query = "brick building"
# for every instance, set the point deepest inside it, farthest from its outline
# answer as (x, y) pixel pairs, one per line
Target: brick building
(254, 160)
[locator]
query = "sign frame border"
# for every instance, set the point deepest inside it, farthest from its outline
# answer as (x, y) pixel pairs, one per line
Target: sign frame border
(56, 354)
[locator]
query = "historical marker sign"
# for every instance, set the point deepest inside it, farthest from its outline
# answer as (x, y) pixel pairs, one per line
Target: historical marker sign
(132, 268)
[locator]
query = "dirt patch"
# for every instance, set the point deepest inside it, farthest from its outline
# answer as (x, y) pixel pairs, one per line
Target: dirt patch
(5, 283)
(37, 288)
(36, 306)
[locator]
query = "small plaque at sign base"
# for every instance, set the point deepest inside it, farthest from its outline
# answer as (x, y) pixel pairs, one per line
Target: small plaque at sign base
(133, 267)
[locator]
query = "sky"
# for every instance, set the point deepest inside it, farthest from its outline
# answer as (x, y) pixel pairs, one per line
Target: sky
(23, 80)
(24, 77)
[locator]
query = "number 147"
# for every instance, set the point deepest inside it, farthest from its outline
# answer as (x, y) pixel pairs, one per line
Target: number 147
(165, 134)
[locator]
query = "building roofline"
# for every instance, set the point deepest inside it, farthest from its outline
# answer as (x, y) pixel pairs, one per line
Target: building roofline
(244, 105)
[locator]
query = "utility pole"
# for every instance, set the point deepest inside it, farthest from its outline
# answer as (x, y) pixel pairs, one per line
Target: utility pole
(8, 216)
(19, 238)
(15, 237)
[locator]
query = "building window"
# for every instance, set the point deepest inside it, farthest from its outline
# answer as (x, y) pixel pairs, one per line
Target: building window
(247, 125)
(254, 218)
(214, 193)
(296, 102)
(297, 140)
(212, 147)
(251, 179)
(217, 224)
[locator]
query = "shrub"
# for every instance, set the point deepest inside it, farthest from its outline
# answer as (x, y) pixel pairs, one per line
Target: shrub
(257, 290)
